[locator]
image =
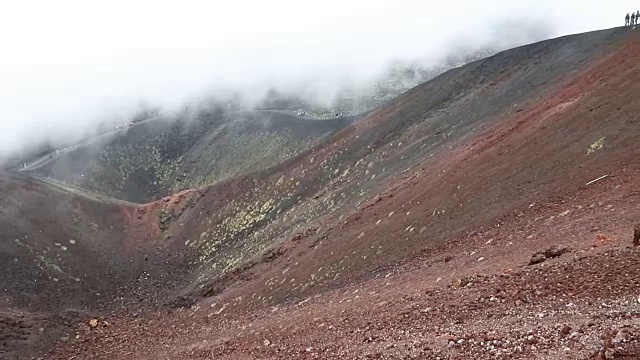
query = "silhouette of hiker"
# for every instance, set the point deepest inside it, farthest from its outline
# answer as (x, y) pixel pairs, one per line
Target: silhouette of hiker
(637, 16)
(626, 20)
(633, 19)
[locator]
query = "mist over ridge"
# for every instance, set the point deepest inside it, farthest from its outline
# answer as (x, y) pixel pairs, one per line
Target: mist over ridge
(99, 66)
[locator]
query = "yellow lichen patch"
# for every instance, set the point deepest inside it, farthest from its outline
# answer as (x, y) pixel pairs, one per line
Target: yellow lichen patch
(597, 145)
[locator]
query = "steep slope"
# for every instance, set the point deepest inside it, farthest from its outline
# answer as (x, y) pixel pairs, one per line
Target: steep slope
(157, 157)
(459, 152)
(409, 234)
(68, 255)
(59, 251)
(482, 166)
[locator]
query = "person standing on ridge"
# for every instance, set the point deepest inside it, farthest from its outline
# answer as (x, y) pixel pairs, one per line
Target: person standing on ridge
(626, 20)
(637, 16)
(633, 19)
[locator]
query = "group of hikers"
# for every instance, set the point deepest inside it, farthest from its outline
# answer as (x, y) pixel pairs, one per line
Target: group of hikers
(632, 20)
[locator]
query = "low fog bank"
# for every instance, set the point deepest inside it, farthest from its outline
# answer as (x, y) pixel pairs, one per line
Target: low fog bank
(72, 71)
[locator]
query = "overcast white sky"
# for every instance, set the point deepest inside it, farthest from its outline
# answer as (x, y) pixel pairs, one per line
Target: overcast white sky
(67, 64)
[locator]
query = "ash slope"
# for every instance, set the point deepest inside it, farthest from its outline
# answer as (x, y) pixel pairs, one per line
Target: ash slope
(474, 145)
(456, 182)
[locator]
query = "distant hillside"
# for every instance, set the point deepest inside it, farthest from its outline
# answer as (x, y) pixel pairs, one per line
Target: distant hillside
(157, 157)
(399, 77)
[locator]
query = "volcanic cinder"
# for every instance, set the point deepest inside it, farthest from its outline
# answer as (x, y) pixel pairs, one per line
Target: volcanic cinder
(485, 214)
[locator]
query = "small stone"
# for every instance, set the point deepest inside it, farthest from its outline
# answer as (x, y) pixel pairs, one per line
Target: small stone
(609, 354)
(621, 336)
(537, 258)
(554, 252)
(267, 343)
(93, 323)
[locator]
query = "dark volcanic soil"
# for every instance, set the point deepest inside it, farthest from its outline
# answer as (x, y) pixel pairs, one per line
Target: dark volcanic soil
(486, 214)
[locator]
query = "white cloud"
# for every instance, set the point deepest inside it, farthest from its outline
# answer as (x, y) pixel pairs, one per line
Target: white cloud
(67, 64)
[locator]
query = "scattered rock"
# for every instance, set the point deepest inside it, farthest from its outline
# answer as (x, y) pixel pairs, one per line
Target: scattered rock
(601, 240)
(537, 258)
(622, 336)
(93, 323)
(636, 235)
(554, 252)
(165, 217)
(550, 253)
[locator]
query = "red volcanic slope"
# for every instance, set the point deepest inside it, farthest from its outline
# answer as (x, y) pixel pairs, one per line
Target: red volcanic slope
(409, 234)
